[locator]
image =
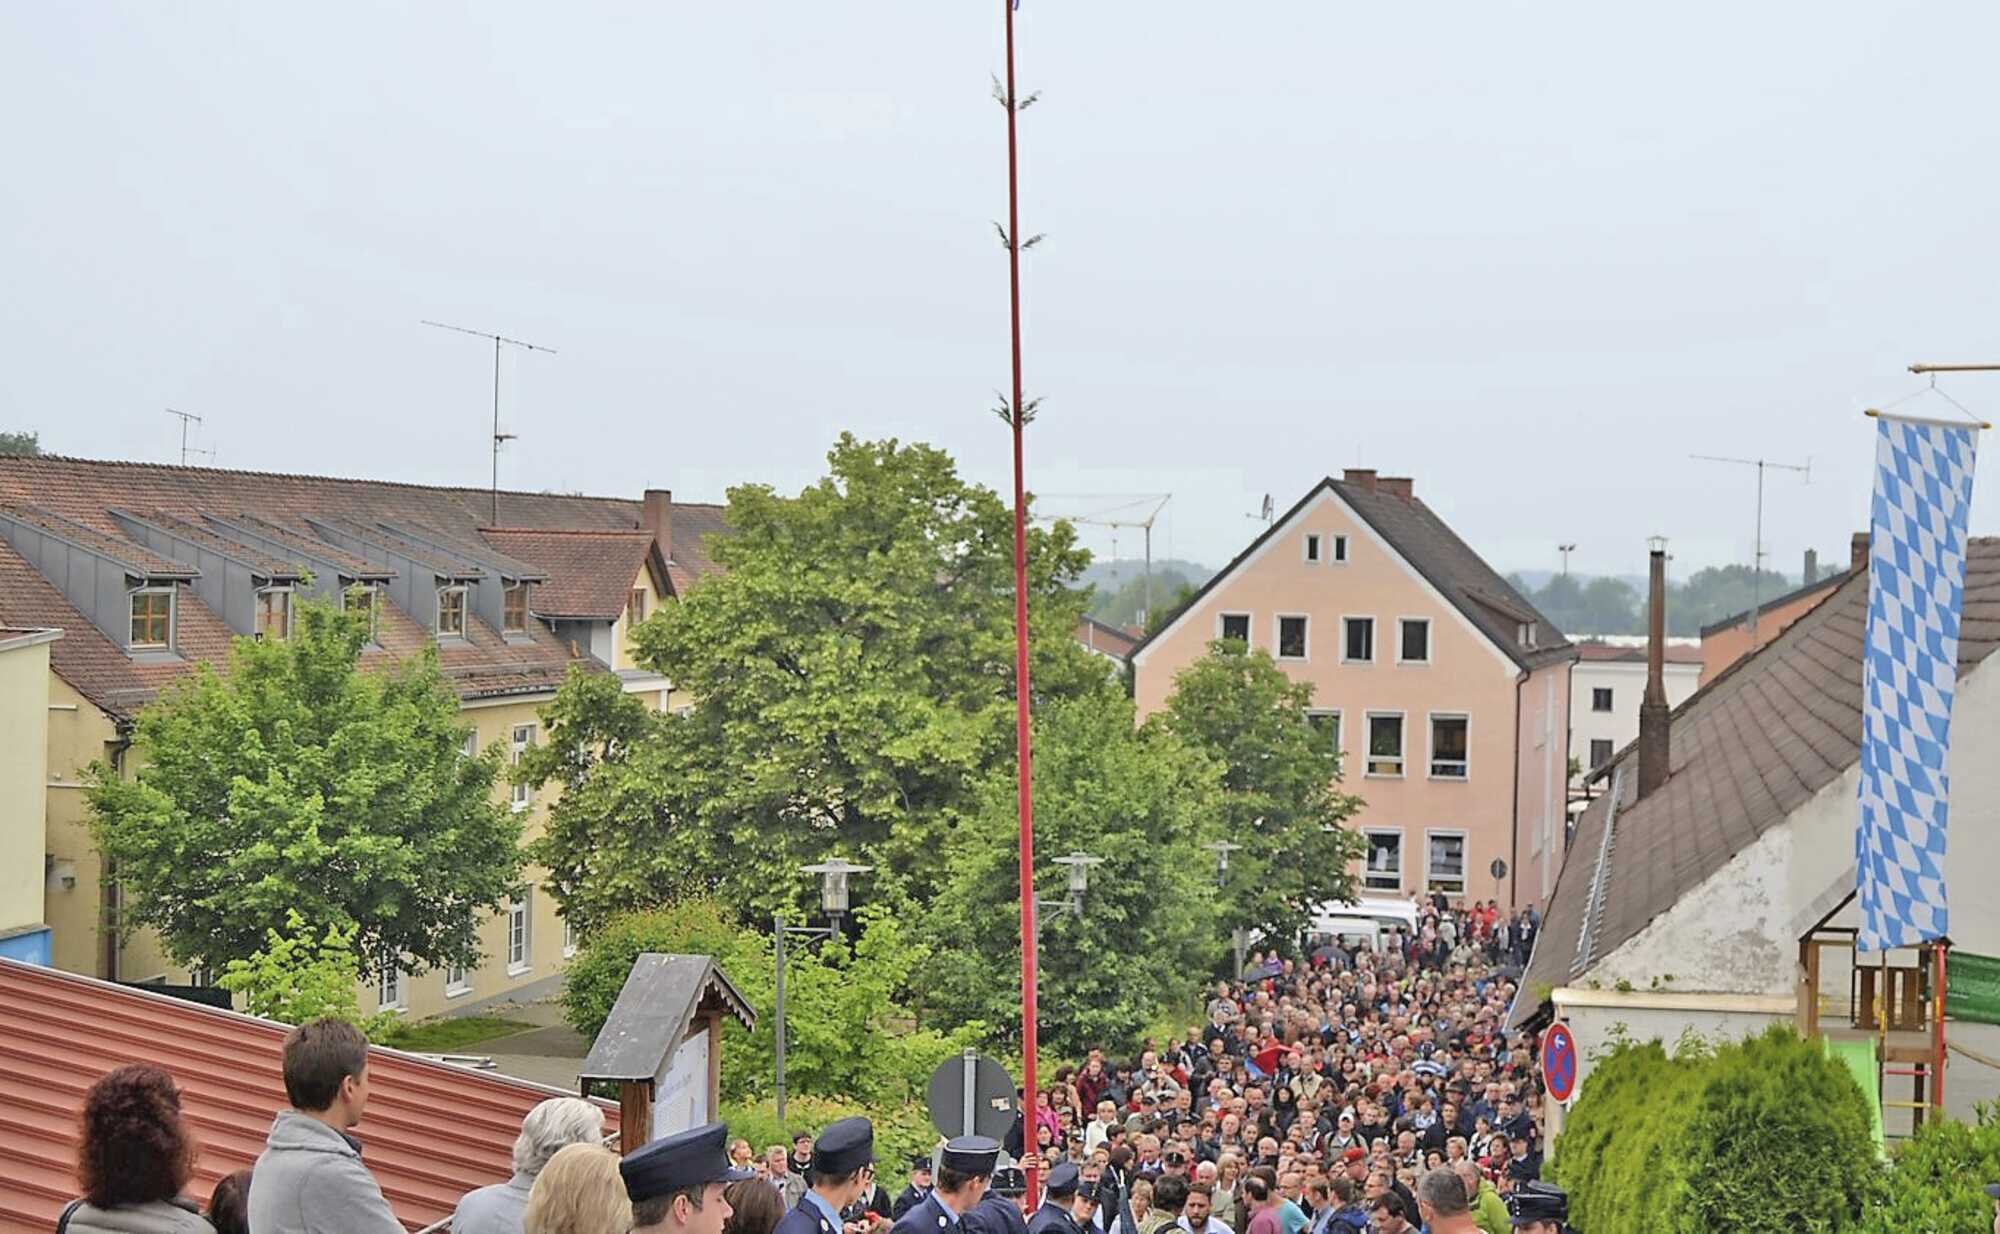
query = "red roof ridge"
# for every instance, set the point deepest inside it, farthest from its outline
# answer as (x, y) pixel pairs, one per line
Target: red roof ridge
(566, 531)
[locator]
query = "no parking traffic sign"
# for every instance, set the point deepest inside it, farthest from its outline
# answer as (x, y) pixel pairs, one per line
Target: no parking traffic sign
(1559, 1062)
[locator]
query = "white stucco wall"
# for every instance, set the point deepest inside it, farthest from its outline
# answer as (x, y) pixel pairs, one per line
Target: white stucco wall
(1627, 683)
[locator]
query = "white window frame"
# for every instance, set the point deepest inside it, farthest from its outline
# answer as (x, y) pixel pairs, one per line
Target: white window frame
(257, 612)
(464, 594)
(389, 987)
(1278, 637)
(569, 938)
(521, 932)
(1367, 871)
(374, 593)
(1464, 859)
(1610, 700)
(470, 746)
(1404, 622)
(1249, 627)
(457, 981)
(521, 739)
(1465, 765)
(635, 608)
(1368, 754)
(527, 598)
(1312, 548)
(1337, 551)
(173, 616)
(1347, 620)
(1339, 724)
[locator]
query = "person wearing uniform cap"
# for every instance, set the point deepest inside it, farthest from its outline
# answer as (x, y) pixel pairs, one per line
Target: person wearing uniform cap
(843, 1164)
(1543, 1208)
(920, 1186)
(1058, 1202)
(964, 1169)
(999, 1212)
(675, 1184)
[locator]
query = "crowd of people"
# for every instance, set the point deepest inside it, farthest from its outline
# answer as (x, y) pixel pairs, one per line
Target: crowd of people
(1369, 1087)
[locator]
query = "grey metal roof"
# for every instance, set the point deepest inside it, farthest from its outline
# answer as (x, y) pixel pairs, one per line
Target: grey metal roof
(654, 1012)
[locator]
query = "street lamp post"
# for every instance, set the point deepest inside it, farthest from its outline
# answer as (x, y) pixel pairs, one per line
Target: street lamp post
(833, 900)
(1222, 849)
(1078, 883)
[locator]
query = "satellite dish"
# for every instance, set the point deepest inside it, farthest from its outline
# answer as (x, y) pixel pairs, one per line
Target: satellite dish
(1268, 510)
(976, 1085)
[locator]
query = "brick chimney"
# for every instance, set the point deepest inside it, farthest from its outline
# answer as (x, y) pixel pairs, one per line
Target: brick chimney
(1857, 553)
(1362, 478)
(1655, 717)
(1811, 573)
(657, 516)
(1398, 486)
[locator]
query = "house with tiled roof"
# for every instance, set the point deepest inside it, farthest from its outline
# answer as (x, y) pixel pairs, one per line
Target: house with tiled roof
(1443, 689)
(1693, 903)
(147, 570)
(432, 1131)
(24, 779)
(1728, 639)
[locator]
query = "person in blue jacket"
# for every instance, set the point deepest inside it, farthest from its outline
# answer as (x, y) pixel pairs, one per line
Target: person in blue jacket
(1000, 1211)
(843, 1167)
(965, 1167)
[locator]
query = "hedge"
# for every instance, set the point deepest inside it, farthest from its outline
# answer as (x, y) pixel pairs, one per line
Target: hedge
(1935, 1180)
(1766, 1134)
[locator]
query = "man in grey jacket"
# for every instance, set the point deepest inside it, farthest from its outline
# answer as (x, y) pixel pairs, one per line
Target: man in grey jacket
(310, 1179)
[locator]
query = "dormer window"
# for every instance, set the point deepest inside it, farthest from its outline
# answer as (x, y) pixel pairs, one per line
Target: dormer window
(360, 598)
(152, 618)
(514, 609)
(451, 612)
(274, 613)
(1527, 635)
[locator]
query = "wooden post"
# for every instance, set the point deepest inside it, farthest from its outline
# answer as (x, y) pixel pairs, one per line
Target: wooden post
(635, 1115)
(713, 1026)
(1809, 992)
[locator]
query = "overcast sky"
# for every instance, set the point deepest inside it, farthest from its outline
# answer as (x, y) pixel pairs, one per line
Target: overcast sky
(1532, 254)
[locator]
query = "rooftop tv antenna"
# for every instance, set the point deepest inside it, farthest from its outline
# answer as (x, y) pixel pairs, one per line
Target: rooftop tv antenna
(1565, 550)
(1757, 548)
(1140, 511)
(499, 438)
(187, 418)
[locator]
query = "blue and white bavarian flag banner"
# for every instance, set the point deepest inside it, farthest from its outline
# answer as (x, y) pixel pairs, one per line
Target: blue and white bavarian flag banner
(1909, 675)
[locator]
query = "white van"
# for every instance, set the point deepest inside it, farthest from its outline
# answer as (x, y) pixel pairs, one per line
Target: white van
(1364, 920)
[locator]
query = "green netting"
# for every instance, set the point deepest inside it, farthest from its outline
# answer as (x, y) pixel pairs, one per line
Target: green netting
(1972, 987)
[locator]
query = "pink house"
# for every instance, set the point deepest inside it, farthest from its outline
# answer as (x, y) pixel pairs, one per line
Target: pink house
(1445, 692)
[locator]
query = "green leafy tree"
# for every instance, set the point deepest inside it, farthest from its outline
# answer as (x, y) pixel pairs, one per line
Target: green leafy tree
(847, 1032)
(1144, 802)
(304, 974)
(853, 675)
(20, 444)
(1281, 801)
(1125, 605)
(296, 782)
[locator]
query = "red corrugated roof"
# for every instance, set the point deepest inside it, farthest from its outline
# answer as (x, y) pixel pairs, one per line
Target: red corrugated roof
(432, 1132)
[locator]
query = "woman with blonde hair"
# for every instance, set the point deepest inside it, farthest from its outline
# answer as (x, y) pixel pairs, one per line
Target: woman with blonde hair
(579, 1192)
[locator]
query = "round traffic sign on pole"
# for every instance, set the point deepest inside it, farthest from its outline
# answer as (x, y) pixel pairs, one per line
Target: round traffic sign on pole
(1559, 1062)
(971, 1095)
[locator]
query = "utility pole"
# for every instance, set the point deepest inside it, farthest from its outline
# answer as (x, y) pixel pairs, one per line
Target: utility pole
(1757, 547)
(499, 438)
(1565, 550)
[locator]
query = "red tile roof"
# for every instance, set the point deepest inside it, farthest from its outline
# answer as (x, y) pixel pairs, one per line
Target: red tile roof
(590, 572)
(432, 1132)
(1621, 653)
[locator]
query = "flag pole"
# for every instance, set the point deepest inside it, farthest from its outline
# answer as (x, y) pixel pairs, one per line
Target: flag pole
(1025, 781)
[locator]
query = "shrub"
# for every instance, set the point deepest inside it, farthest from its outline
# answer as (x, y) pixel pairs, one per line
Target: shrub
(1934, 1181)
(1763, 1135)
(305, 975)
(901, 1131)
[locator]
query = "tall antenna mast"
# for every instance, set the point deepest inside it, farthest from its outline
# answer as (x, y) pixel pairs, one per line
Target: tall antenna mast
(1757, 548)
(499, 438)
(1146, 507)
(187, 418)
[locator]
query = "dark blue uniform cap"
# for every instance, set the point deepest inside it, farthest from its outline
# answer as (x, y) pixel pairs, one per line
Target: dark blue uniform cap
(684, 1160)
(1063, 1180)
(1009, 1182)
(971, 1154)
(844, 1147)
(1537, 1201)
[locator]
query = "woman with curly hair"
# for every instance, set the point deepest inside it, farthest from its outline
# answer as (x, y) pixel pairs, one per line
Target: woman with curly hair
(135, 1157)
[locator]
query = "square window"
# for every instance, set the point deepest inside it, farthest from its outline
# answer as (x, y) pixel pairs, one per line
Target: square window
(1327, 723)
(1600, 698)
(274, 613)
(1236, 626)
(1291, 638)
(451, 612)
(1416, 641)
(1448, 747)
(1600, 752)
(1385, 744)
(1340, 548)
(1360, 641)
(1312, 548)
(152, 617)
(514, 609)
(1445, 867)
(518, 926)
(1382, 867)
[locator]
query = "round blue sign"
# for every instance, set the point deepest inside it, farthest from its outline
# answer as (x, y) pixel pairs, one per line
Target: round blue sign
(1559, 1062)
